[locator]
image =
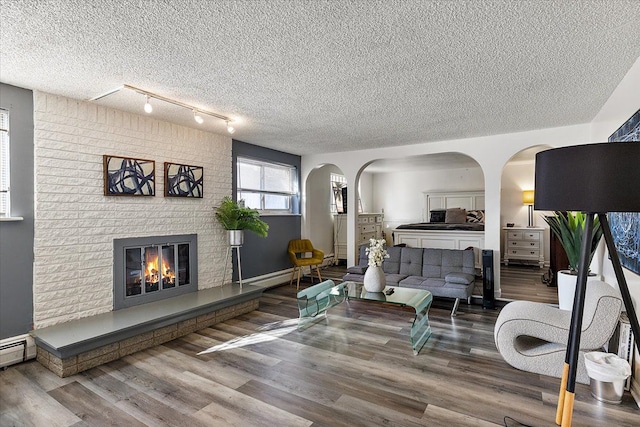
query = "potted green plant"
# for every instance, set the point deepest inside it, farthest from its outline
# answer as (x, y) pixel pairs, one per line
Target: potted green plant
(235, 218)
(569, 228)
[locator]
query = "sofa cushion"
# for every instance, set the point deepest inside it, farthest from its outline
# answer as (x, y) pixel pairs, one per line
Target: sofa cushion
(456, 261)
(455, 216)
(411, 261)
(432, 263)
(363, 257)
(353, 277)
(411, 282)
(393, 279)
(420, 283)
(391, 265)
(460, 278)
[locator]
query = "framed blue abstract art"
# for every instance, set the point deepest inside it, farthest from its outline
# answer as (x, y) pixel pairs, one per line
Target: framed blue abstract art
(625, 226)
(183, 180)
(125, 176)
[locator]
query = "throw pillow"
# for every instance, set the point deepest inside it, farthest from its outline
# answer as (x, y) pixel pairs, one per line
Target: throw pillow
(456, 216)
(437, 215)
(475, 216)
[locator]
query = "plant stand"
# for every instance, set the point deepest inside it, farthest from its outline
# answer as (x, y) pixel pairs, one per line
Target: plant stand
(226, 261)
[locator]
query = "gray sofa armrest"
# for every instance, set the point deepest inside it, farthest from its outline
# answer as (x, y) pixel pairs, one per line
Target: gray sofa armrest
(357, 269)
(460, 278)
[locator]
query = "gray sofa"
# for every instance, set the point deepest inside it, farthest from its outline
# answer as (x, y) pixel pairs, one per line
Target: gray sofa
(443, 272)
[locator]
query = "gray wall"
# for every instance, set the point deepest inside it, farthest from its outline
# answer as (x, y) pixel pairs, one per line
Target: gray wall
(16, 238)
(267, 255)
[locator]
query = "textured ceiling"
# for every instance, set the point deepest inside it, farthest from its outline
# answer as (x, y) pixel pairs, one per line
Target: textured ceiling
(324, 76)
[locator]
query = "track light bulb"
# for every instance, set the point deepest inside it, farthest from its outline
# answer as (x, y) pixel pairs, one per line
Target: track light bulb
(230, 128)
(197, 117)
(147, 107)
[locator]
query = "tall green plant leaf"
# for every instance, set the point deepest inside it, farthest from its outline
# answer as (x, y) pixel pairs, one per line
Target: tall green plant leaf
(569, 228)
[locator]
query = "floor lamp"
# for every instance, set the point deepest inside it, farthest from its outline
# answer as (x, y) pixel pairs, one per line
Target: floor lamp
(595, 179)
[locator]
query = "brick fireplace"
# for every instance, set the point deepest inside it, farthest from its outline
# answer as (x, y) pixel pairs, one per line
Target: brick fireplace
(147, 269)
(75, 224)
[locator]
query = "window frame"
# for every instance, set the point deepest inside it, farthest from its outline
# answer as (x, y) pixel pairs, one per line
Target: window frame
(262, 192)
(336, 182)
(5, 159)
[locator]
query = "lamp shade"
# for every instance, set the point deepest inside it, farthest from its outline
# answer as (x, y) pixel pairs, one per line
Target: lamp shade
(527, 197)
(594, 178)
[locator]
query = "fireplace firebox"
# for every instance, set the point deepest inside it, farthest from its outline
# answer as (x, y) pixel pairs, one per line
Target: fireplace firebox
(147, 269)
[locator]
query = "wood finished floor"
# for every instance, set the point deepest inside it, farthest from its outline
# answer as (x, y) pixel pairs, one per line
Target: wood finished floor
(354, 369)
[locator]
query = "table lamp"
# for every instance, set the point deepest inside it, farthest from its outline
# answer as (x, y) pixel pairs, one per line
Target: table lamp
(528, 199)
(594, 179)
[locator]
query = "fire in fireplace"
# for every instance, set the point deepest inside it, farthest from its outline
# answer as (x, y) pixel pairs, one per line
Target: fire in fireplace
(151, 268)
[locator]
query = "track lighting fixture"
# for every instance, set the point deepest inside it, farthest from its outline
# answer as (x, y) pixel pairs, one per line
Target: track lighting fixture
(148, 108)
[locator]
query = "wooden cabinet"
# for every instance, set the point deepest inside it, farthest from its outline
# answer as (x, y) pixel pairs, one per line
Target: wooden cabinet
(369, 226)
(525, 244)
(558, 258)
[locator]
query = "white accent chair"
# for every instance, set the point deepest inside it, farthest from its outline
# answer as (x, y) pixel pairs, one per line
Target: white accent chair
(533, 336)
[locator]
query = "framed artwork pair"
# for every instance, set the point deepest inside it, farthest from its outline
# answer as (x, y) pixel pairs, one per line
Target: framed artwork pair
(125, 176)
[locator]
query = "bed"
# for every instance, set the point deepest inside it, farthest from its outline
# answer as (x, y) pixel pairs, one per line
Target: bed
(451, 220)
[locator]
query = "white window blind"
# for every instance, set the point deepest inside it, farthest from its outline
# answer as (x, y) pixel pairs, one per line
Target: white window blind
(5, 208)
(268, 187)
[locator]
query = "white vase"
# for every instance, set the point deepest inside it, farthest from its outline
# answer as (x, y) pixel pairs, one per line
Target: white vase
(567, 288)
(374, 280)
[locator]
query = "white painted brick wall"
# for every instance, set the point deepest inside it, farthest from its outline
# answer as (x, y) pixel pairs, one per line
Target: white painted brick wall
(75, 224)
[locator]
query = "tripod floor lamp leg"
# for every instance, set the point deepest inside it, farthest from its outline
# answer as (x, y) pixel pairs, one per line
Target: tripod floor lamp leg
(575, 329)
(563, 388)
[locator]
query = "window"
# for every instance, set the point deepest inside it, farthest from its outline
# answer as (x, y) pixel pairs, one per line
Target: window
(5, 206)
(268, 187)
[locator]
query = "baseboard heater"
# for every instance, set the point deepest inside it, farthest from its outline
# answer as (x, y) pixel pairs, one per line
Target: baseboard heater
(17, 349)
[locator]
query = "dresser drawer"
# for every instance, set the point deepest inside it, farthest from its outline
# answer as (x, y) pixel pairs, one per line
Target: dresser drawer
(531, 235)
(514, 235)
(523, 253)
(364, 238)
(368, 228)
(524, 244)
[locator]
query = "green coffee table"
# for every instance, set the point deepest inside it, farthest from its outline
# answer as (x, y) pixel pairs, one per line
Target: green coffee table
(419, 299)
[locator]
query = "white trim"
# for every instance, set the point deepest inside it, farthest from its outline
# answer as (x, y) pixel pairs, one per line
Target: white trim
(11, 218)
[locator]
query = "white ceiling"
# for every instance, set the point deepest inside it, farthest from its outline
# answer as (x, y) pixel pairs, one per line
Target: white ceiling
(308, 76)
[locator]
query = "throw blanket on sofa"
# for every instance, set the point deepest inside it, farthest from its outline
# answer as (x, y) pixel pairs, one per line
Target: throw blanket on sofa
(472, 226)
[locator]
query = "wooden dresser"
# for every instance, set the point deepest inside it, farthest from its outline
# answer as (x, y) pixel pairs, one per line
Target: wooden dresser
(369, 227)
(524, 244)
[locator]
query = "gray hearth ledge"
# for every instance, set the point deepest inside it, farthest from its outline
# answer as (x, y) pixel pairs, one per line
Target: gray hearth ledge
(81, 336)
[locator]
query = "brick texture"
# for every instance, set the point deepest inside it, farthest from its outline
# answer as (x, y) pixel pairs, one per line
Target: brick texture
(75, 224)
(108, 353)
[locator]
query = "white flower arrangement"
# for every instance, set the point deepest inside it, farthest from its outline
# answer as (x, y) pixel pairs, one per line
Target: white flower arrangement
(376, 251)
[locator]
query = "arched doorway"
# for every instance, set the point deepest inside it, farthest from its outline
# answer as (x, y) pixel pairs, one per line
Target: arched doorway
(525, 247)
